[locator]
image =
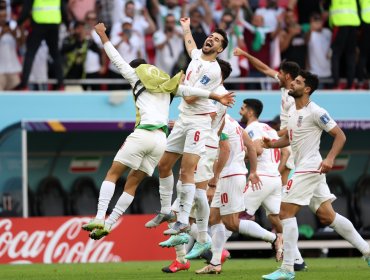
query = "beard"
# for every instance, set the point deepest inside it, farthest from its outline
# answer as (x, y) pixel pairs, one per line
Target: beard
(208, 51)
(295, 94)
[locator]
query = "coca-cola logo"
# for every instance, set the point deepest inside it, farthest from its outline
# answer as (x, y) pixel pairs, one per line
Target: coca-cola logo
(67, 243)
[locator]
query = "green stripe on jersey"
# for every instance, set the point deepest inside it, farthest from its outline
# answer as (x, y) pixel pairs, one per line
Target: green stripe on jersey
(224, 136)
(152, 127)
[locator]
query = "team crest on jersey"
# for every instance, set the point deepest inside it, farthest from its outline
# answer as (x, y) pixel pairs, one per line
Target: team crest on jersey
(299, 122)
(325, 118)
(251, 134)
(205, 80)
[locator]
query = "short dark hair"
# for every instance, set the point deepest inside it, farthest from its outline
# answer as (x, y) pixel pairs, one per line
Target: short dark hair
(129, 2)
(254, 104)
(290, 67)
(137, 62)
(225, 68)
(310, 80)
(222, 32)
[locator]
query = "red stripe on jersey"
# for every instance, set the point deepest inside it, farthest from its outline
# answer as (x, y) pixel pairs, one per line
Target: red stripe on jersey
(231, 175)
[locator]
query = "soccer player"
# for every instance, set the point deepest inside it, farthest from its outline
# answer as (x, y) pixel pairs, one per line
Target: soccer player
(287, 73)
(144, 147)
(191, 130)
(200, 210)
(308, 185)
(269, 195)
(228, 200)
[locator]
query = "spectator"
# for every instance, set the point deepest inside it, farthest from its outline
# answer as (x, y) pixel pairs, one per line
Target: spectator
(129, 45)
(119, 6)
(10, 37)
(292, 40)
(142, 23)
(74, 49)
(104, 9)
(345, 21)
(200, 24)
(236, 39)
(168, 45)
(79, 8)
(318, 42)
(39, 73)
(46, 17)
(257, 39)
(272, 15)
(169, 7)
(95, 62)
(305, 8)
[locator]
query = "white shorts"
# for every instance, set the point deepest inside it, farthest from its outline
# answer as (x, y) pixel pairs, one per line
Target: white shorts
(307, 189)
(176, 208)
(204, 171)
(189, 135)
(290, 162)
(269, 196)
(142, 150)
(229, 195)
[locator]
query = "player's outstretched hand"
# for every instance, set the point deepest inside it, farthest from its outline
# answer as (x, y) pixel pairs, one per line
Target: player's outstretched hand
(227, 99)
(185, 22)
(255, 181)
(100, 28)
(326, 165)
(238, 52)
(266, 143)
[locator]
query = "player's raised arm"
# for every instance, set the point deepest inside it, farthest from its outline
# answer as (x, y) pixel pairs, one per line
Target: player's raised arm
(188, 37)
(258, 64)
(124, 68)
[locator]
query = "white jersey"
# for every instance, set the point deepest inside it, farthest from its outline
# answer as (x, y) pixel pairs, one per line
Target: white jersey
(305, 127)
(268, 161)
(287, 102)
(152, 109)
(218, 120)
(201, 74)
(235, 164)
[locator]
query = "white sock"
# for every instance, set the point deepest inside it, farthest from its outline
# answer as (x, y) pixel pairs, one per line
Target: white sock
(193, 231)
(253, 229)
(228, 233)
(165, 193)
(180, 253)
(218, 243)
(186, 202)
(122, 204)
(202, 214)
(298, 257)
(345, 229)
(105, 195)
(190, 244)
(290, 237)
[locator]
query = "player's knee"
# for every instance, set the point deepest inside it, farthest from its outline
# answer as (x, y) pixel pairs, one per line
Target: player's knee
(163, 167)
(186, 176)
(213, 220)
(231, 225)
(326, 219)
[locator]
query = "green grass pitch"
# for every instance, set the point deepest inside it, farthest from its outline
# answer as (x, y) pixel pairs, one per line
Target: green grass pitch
(326, 269)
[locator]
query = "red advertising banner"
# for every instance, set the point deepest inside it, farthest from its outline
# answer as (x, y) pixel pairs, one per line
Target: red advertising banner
(61, 240)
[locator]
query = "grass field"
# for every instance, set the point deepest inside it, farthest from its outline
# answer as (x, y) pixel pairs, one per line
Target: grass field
(327, 269)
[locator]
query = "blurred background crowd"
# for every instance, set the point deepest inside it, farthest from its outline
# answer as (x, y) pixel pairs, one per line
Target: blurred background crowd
(55, 39)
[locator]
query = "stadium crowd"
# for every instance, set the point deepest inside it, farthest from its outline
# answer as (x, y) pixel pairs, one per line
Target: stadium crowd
(38, 42)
